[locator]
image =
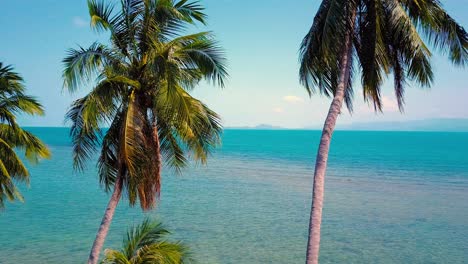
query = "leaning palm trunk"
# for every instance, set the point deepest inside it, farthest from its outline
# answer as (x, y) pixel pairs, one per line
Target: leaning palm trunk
(313, 244)
(384, 36)
(105, 223)
(158, 156)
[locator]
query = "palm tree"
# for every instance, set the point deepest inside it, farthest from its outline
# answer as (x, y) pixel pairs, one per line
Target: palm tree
(14, 101)
(141, 89)
(378, 38)
(147, 243)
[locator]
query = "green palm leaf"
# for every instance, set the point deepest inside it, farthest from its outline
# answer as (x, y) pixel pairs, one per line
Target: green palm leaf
(147, 243)
(13, 138)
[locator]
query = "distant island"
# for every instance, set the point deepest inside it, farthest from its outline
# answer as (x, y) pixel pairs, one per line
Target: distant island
(442, 124)
(437, 125)
(259, 127)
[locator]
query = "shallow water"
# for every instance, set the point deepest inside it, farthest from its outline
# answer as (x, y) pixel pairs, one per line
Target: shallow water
(391, 197)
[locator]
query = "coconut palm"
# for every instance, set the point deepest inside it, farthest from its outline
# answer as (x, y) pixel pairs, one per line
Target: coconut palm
(147, 243)
(141, 91)
(13, 101)
(373, 39)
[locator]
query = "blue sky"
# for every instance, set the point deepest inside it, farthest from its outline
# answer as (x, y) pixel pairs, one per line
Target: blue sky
(261, 39)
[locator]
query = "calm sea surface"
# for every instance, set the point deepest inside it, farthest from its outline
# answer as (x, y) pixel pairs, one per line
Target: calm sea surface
(391, 197)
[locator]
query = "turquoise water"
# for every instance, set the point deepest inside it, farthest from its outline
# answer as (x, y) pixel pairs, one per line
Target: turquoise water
(391, 197)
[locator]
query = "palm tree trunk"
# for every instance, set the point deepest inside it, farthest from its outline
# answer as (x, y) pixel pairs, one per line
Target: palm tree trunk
(313, 244)
(105, 223)
(158, 153)
(158, 160)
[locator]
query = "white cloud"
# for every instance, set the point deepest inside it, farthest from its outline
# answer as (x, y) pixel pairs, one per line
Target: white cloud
(389, 104)
(79, 22)
(293, 99)
(278, 110)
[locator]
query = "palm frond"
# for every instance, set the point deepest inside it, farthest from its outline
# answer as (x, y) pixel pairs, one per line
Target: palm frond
(407, 41)
(101, 14)
(371, 50)
(143, 235)
(172, 150)
(13, 166)
(108, 162)
(139, 82)
(388, 37)
(399, 79)
(194, 124)
(171, 18)
(10, 81)
(442, 30)
(201, 52)
(21, 103)
(191, 11)
(82, 65)
(13, 139)
(8, 190)
(24, 141)
(88, 115)
(147, 243)
(320, 47)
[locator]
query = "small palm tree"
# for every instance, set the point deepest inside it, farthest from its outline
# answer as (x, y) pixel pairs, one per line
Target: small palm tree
(377, 38)
(142, 84)
(147, 244)
(13, 101)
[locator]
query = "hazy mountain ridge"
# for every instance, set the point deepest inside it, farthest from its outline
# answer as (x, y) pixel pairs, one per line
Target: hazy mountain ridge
(441, 124)
(259, 127)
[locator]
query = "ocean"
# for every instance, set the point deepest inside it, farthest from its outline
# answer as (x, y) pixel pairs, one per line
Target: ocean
(391, 197)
